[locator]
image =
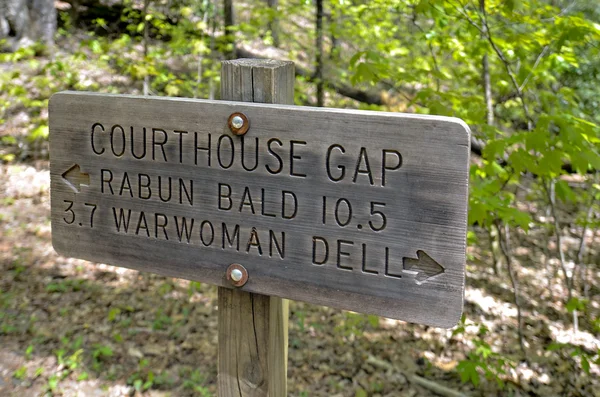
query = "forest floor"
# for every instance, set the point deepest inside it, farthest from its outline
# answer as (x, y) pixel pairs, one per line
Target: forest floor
(71, 327)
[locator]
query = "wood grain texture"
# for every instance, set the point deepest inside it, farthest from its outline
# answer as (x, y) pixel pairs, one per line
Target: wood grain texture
(253, 337)
(253, 328)
(425, 198)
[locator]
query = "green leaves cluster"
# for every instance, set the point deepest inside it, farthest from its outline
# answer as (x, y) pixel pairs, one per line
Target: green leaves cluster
(482, 360)
(538, 55)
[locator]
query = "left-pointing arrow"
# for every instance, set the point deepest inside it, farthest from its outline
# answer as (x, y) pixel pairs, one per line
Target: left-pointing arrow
(75, 178)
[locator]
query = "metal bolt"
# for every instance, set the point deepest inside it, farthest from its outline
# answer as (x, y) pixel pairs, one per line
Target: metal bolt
(238, 123)
(237, 275)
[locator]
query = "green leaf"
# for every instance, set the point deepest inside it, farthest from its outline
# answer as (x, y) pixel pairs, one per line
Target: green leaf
(373, 320)
(576, 304)
(468, 372)
(554, 346)
(113, 313)
(365, 72)
(172, 90)
(585, 364)
(20, 373)
(564, 192)
(360, 392)
(40, 132)
(511, 5)
(478, 213)
(494, 149)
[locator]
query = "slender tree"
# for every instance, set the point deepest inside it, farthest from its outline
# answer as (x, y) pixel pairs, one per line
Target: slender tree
(319, 53)
(273, 25)
(229, 21)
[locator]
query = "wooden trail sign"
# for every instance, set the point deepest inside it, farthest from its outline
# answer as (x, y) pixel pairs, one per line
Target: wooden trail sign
(358, 210)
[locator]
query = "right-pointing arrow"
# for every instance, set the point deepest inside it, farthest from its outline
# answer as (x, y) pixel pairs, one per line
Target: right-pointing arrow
(425, 266)
(75, 178)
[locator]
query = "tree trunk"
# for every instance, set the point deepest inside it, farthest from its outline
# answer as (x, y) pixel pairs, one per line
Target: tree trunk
(228, 13)
(23, 22)
(319, 56)
(274, 21)
(146, 38)
(487, 81)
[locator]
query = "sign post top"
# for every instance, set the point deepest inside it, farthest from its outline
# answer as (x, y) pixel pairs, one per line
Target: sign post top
(258, 63)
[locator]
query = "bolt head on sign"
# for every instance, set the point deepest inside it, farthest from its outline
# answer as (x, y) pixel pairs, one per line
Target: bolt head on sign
(239, 123)
(364, 211)
(236, 275)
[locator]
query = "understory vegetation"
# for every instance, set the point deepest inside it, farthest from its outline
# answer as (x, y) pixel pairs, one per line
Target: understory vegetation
(523, 74)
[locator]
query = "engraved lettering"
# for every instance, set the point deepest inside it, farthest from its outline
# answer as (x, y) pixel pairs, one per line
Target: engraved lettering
(348, 212)
(253, 241)
(274, 243)
(247, 200)
(180, 144)
(92, 138)
(364, 261)
(160, 190)
(341, 253)
(141, 156)
(294, 208)
(184, 230)
(204, 235)
(187, 231)
(274, 154)
(379, 214)
(341, 168)
(162, 225)
(387, 265)
(324, 252)
(230, 239)
(231, 151)
(69, 210)
(121, 221)
(145, 185)
(125, 185)
(106, 179)
(204, 148)
(295, 157)
(94, 207)
(262, 204)
(112, 140)
(362, 157)
(225, 193)
(144, 226)
(255, 155)
(160, 143)
(189, 194)
(388, 167)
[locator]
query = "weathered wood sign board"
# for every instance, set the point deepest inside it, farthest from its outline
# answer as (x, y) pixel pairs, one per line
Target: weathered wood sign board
(358, 210)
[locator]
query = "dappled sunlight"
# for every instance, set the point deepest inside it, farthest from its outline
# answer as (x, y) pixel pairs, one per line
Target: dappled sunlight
(489, 304)
(521, 74)
(24, 181)
(132, 317)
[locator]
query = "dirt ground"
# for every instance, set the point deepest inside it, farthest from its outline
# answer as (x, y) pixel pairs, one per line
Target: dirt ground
(74, 328)
(70, 327)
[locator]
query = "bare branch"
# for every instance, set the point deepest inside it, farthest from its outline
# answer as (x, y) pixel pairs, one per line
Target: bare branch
(507, 66)
(535, 65)
(506, 251)
(561, 254)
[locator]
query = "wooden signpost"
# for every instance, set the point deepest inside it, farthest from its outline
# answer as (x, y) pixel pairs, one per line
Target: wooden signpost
(358, 210)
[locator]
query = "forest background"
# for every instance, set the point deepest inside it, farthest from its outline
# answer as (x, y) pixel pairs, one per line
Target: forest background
(522, 73)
